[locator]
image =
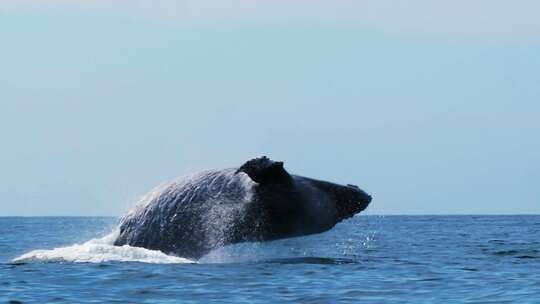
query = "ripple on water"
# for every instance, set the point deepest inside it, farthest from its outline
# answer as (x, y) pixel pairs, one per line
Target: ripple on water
(312, 260)
(526, 257)
(142, 292)
(518, 253)
(408, 262)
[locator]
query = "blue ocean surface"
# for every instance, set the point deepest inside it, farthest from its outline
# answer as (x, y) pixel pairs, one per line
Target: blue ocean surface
(366, 259)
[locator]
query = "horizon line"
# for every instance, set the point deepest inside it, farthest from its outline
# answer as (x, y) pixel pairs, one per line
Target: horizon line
(390, 214)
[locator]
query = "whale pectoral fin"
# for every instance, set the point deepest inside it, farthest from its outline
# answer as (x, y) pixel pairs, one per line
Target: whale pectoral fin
(262, 170)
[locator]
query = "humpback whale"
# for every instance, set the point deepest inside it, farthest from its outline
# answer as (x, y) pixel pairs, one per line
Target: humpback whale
(259, 201)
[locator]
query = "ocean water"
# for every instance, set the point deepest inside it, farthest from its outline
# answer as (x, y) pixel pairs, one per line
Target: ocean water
(366, 259)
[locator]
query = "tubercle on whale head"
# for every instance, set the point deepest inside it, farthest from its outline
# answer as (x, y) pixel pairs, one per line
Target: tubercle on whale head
(356, 200)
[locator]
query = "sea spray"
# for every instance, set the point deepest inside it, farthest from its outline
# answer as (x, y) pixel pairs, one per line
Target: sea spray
(99, 250)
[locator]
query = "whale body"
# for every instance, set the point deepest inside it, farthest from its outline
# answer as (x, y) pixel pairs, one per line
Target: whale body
(259, 201)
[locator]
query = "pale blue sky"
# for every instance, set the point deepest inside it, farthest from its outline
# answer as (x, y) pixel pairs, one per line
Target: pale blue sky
(98, 104)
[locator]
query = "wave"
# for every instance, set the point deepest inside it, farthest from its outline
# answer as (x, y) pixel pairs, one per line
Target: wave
(99, 251)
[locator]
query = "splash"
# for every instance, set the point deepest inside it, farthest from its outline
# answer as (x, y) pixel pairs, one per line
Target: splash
(224, 209)
(204, 210)
(99, 251)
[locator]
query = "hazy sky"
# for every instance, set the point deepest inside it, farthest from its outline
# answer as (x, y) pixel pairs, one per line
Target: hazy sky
(432, 107)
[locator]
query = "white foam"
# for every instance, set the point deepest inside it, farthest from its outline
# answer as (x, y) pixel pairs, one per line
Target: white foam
(99, 251)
